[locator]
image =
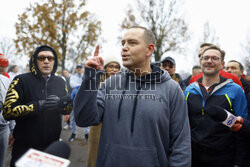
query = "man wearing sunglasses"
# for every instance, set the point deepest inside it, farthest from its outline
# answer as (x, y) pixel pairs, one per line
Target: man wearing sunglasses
(36, 101)
(168, 63)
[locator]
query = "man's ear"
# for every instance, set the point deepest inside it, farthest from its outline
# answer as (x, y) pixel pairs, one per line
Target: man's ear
(223, 64)
(150, 49)
(241, 72)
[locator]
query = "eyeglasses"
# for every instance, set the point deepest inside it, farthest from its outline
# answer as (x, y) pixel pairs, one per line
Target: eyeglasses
(43, 58)
(114, 67)
(213, 58)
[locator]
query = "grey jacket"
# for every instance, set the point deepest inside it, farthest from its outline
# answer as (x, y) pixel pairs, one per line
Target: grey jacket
(4, 84)
(145, 121)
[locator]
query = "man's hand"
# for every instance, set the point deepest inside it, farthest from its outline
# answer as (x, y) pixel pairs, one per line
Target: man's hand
(238, 124)
(51, 103)
(64, 101)
(95, 62)
(11, 140)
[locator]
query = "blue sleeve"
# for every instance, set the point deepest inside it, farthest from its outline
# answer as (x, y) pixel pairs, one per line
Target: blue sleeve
(74, 92)
(240, 103)
(89, 101)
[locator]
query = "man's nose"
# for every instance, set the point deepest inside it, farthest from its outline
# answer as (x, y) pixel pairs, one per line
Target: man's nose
(125, 47)
(46, 60)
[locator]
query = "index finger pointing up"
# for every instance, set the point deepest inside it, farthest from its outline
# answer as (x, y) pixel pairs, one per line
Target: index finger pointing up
(96, 53)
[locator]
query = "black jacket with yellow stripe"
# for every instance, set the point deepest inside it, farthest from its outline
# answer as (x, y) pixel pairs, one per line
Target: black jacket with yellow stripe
(35, 128)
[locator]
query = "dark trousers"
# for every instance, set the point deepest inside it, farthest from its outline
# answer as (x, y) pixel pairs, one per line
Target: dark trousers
(17, 151)
(206, 157)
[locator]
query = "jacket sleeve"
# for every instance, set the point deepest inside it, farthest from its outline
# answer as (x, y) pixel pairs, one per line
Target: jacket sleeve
(13, 105)
(89, 101)
(245, 130)
(240, 103)
(180, 140)
(240, 109)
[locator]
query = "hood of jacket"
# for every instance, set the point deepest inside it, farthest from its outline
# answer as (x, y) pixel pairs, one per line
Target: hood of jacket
(33, 61)
(156, 76)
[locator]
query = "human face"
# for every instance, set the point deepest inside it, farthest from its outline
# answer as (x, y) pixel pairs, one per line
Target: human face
(211, 62)
(170, 67)
(65, 73)
(135, 52)
(79, 70)
(202, 50)
(234, 68)
(46, 65)
(196, 71)
(112, 68)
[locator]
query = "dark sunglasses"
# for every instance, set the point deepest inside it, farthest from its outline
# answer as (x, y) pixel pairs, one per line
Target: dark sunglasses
(43, 58)
(168, 65)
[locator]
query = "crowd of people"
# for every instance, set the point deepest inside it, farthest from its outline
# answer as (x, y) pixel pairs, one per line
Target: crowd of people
(146, 115)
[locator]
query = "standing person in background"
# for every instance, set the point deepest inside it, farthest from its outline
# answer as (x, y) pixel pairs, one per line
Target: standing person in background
(237, 69)
(168, 63)
(143, 111)
(213, 144)
(195, 71)
(36, 101)
(111, 67)
(4, 63)
(4, 125)
(76, 81)
(66, 76)
(13, 71)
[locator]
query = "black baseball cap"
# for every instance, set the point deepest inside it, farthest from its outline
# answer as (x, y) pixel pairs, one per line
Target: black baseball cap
(79, 66)
(170, 59)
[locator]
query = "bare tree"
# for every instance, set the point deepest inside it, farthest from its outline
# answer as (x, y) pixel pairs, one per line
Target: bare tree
(162, 17)
(209, 35)
(7, 47)
(246, 52)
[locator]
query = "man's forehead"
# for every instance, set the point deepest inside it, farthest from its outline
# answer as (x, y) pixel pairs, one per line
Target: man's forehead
(212, 52)
(45, 53)
(232, 64)
(133, 33)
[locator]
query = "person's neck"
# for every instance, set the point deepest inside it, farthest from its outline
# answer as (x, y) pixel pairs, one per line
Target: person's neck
(210, 80)
(138, 72)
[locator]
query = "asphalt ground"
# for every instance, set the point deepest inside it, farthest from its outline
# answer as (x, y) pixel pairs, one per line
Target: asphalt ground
(79, 148)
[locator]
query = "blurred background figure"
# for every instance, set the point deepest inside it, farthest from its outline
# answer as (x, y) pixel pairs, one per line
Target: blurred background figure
(168, 63)
(195, 71)
(4, 125)
(66, 77)
(4, 63)
(75, 81)
(13, 71)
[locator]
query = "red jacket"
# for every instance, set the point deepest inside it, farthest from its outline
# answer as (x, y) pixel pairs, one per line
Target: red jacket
(223, 74)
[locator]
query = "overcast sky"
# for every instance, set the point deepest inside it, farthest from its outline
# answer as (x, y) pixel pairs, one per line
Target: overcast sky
(229, 18)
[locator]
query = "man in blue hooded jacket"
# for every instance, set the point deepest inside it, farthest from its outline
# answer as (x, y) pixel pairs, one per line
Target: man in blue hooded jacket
(213, 144)
(143, 111)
